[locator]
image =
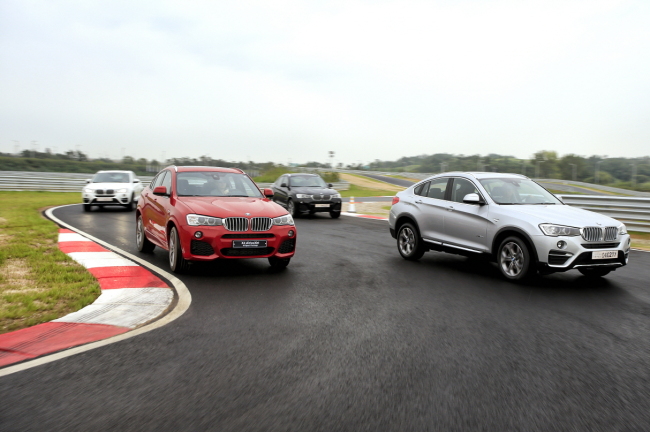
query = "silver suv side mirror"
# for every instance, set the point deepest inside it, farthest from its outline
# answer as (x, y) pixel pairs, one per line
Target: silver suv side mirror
(473, 198)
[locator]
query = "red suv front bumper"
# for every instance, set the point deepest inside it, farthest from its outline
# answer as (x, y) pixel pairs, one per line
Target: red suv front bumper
(217, 242)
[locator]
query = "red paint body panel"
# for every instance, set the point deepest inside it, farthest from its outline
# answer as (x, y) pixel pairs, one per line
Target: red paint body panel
(50, 337)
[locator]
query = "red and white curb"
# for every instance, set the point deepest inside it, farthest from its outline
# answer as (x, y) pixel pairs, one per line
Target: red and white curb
(132, 297)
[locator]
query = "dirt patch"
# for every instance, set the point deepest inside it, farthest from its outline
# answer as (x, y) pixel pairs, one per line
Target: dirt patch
(3, 221)
(369, 183)
(371, 208)
(4, 239)
(16, 277)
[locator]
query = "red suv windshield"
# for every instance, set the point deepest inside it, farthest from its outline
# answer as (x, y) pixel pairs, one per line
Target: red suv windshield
(215, 184)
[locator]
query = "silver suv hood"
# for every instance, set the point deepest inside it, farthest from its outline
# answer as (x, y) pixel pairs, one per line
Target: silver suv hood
(560, 214)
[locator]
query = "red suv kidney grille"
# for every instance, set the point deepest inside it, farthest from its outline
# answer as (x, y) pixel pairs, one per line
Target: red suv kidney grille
(236, 224)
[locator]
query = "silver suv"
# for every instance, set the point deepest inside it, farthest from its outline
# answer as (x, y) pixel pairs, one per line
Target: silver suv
(509, 218)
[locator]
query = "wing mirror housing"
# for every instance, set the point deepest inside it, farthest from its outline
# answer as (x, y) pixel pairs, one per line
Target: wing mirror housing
(268, 193)
(473, 198)
(88, 180)
(330, 185)
(136, 180)
(283, 185)
(160, 190)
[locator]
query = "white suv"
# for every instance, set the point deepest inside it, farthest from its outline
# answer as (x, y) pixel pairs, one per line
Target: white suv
(509, 218)
(112, 188)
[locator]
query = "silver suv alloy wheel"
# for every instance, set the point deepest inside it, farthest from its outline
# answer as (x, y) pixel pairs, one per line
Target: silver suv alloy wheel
(512, 259)
(406, 241)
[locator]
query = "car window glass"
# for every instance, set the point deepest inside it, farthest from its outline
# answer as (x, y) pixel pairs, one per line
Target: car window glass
(514, 191)
(111, 177)
(283, 179)
(421, 189)
(215, 184)
(167, 181)
(307, 181)
(157, 180)
(437, 188)
(461, 188)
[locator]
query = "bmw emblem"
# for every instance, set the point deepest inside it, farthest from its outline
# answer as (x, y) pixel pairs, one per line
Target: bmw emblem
(248, 214)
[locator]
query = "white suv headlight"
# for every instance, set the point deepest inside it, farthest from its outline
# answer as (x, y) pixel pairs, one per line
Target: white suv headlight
(559, 230)
(622, 230)
(198, 220)
(89, 190)
(302, 196)
(123, 190)
(283, 220)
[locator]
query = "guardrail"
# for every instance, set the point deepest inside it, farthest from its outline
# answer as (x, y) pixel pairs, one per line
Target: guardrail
(73, 182)
(632, 211)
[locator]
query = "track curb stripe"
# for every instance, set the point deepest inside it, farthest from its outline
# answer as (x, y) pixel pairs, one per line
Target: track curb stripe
(132, 297)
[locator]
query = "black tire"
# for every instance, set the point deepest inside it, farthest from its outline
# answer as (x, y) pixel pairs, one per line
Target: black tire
(293, 210)
(514, 259)
(279, 263)
(335, 214)
(409, 243)
(141, 241)
(594, 272)
(177, 263)
(131, 205)
(87, 207)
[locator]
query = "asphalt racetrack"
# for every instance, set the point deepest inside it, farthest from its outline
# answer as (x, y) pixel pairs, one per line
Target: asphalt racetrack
(351, 337)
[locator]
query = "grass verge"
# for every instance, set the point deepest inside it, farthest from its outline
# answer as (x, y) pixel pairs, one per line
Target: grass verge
(358, 191)
(640, 240)
(38, 282)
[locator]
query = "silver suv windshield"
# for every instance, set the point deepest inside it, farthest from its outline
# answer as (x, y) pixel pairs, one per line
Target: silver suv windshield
(111, 177)
(513, 191)
(215, 184)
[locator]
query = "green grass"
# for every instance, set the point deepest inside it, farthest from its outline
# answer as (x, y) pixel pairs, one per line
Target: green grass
(38, 282)
(357, 191)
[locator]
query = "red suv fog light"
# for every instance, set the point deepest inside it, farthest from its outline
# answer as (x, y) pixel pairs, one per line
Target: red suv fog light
(291, 233)
(198, 234)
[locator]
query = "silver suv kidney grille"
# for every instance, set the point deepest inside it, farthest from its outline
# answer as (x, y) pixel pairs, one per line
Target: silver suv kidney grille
(236, 224)
(260, 224)
(593, 234)
(610, 233)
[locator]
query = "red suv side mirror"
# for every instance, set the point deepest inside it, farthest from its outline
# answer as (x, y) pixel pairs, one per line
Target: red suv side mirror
(268, 193)
(160, 190)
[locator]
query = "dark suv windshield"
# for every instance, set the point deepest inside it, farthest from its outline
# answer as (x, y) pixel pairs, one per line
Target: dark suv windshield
(306, 181)
(111, 177)
(215, 184)
(512, 191)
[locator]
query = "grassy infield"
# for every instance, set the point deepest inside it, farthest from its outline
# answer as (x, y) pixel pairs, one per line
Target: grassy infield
(39, 283)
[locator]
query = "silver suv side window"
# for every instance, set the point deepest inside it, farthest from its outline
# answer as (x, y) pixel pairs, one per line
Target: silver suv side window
(437, 188)
(461, 188)
(421, 189)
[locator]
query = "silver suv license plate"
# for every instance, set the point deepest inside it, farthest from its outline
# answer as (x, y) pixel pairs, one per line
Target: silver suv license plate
(248, 243)
(604, 254)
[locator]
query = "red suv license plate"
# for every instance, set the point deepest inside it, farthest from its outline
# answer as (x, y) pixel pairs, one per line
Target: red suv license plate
(248, 243)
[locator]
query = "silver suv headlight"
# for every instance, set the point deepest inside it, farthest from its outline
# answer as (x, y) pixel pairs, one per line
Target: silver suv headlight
(283, 220)
(559, 230)
(303, 196)
(622, 229)
(198, 220)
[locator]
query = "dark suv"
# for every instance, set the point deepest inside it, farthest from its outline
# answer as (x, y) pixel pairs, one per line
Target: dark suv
(301, 193)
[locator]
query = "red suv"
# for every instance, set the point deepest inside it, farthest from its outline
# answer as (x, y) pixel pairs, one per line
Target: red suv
(205, 213)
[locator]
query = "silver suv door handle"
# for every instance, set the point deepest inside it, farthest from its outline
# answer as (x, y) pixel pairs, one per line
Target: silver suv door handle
(418, 201)
(451, 208)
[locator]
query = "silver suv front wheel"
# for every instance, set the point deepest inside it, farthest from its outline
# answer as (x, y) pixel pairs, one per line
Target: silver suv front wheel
(514, 258)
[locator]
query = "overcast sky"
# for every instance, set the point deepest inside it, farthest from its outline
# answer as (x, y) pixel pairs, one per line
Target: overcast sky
(289, 80)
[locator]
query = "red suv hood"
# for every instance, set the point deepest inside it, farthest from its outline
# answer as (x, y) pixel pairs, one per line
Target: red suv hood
(233, 206)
